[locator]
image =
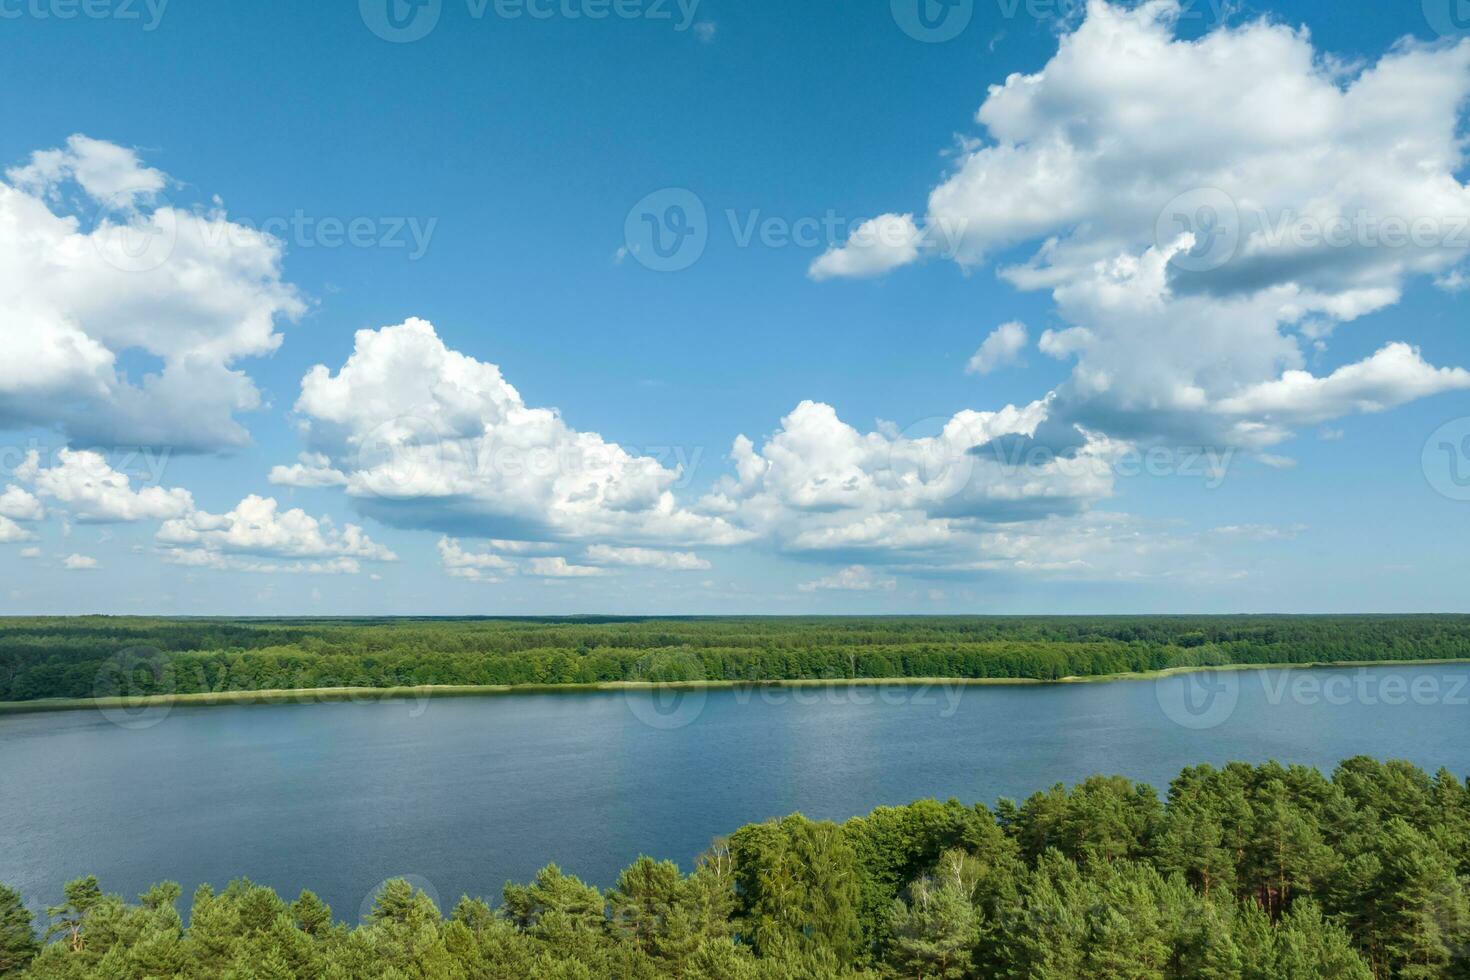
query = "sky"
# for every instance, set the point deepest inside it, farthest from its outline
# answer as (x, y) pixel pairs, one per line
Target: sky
(439, 307)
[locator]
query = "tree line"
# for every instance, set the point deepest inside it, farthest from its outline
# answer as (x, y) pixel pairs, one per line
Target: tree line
(97, 656)
(1243, 871)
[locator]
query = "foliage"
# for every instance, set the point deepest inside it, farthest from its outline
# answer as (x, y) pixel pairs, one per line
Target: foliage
(83, 657)
(1248, 872)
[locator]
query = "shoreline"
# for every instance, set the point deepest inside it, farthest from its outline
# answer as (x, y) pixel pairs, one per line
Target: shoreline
(322, 695)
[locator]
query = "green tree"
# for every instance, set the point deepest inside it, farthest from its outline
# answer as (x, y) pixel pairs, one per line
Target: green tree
(18, 944)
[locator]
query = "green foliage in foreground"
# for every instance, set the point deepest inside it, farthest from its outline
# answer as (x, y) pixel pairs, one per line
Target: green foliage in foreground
(85, 657)
(1245, 872)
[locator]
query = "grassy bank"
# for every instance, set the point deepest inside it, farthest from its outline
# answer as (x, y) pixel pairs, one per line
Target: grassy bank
(320, 695)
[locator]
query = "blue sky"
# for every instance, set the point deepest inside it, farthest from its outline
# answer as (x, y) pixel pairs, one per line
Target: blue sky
(510, 151)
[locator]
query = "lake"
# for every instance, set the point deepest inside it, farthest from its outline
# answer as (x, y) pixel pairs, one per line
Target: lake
(460, 794)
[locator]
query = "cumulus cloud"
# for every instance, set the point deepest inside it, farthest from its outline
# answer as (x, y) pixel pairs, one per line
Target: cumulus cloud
(17, 504)
(558, 567)
(1394, 375)
(94, 493)
(854, 578)
(681, 561)
(79, 563)
(11, 532)
(97, 263)
(428, 437)
(312, 471)
(878, 245)
(1205, 217)
(217, 561)
(475, 565)
(258, 527)
(820, 487)
(1003, 346)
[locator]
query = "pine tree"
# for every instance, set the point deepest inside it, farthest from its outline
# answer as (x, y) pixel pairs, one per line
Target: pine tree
(18, 944)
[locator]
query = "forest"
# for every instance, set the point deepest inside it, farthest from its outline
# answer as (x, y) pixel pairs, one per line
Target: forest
(1243, 871)
(84, 657)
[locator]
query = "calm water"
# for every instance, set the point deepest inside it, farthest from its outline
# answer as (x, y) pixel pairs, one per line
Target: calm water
(461, 794)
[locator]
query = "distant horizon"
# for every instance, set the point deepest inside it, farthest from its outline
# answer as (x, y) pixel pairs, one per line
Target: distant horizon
(754, 615)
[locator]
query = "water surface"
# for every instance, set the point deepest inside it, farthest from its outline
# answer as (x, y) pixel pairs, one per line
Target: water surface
(462, 794)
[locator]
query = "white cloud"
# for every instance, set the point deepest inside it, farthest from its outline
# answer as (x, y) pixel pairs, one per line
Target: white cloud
(11, 532)
(94, 493)
(878, 245)
(314, 470)
(428, 437)
(1062, 344)
(257, 526)
(1205, 218)
(1002, 347)
(854, 578)
(1394, 375)
(820, 486)
(683, 561)
(472, 565)
(20, 505)
(1260, 532)
(32, 552)
(79, 563)
(103, 170)
(560, 568)
(190, 289)
(218, 561)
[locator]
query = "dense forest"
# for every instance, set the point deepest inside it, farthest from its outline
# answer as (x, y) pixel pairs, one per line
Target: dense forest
(1242, 872)
(84, 657)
